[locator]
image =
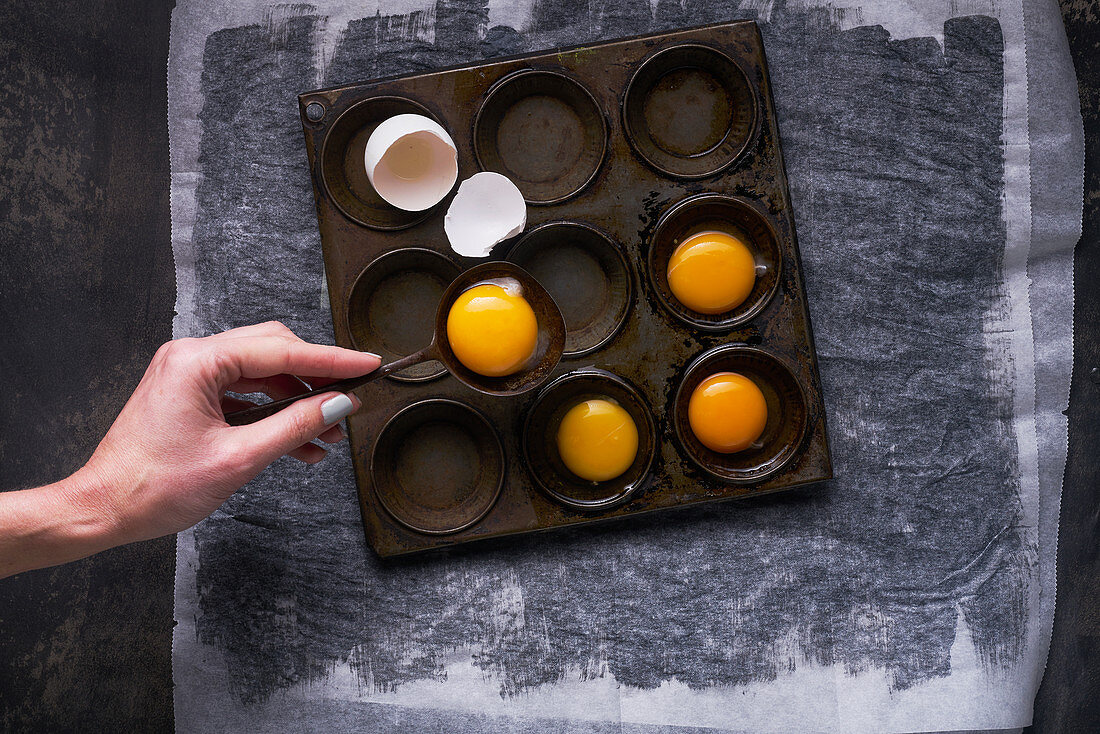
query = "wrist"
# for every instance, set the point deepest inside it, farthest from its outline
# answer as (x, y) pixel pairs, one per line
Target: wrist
(85, 500)
(55, 524)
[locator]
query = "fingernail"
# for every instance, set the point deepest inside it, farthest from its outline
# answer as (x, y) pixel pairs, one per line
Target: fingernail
(372, 354)
(337, 408)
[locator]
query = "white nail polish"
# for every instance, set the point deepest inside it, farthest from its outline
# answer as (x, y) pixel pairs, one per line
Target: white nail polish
(335, 409)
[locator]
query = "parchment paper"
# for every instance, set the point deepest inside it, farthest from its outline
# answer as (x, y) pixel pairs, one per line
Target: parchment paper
(935, 160)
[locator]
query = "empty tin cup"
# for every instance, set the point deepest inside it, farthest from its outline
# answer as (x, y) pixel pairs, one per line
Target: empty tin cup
(540, 448)
(730, 215)
(392, 306)
(689, 111)
(588, 276)
(786, 424)
(344, 172)
(544, 131)
(437, 467)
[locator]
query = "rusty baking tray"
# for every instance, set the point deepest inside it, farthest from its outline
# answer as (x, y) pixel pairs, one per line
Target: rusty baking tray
(621, 149)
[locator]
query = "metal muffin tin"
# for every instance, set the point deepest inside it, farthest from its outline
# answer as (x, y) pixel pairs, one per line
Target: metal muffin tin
(622, 149)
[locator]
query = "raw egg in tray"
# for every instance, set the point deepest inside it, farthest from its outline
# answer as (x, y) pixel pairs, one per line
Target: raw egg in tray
(640, 184)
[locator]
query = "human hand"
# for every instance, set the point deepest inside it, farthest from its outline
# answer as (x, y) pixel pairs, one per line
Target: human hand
(170, 459)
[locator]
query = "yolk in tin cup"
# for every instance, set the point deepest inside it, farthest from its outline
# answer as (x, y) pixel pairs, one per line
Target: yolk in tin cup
(597, 440)
(727, 412)
(711, 272)
(492, 329)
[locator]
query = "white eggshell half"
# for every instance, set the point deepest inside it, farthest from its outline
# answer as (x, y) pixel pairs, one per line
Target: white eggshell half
(487, 209)
(411, 162)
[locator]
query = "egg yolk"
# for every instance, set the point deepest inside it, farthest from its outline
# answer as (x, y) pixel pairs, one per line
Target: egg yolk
(711, 272)
(491, 331)
(597, 440)
(727, 412)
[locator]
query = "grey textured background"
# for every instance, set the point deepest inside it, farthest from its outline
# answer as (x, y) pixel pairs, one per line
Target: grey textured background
(894, 155)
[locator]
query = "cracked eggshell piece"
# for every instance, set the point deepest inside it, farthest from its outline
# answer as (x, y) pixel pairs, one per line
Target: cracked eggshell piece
(487, 209)
(411, 161)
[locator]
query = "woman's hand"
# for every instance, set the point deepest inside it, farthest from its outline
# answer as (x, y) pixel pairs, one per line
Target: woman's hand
(170, 459)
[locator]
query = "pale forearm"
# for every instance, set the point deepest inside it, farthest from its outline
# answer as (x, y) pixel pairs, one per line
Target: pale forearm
(55, 524)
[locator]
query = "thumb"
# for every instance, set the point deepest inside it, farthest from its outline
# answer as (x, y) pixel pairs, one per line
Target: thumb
(298, 423)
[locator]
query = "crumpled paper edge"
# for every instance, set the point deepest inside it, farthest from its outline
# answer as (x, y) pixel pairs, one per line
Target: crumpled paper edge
(1056, 141)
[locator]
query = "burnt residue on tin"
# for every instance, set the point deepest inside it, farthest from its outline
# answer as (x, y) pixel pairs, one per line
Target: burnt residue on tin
(393, 303)
(437, 467)
(586, 273)
(689, 111)
(619, 185)
(544, 131)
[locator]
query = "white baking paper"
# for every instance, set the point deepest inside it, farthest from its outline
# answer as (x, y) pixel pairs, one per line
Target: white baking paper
(937, 199)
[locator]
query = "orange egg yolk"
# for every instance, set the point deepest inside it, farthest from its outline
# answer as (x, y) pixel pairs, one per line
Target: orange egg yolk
(597, 440)
(711, 272)
(727, 412)
(492, 331)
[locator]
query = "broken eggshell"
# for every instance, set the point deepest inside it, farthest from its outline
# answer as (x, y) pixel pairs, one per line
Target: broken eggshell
(411, 161)
(487, 209)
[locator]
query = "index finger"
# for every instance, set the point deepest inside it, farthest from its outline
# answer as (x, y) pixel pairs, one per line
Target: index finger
(255, 357)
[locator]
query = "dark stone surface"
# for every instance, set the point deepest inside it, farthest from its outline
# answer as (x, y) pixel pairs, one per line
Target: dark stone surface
(86, 295)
